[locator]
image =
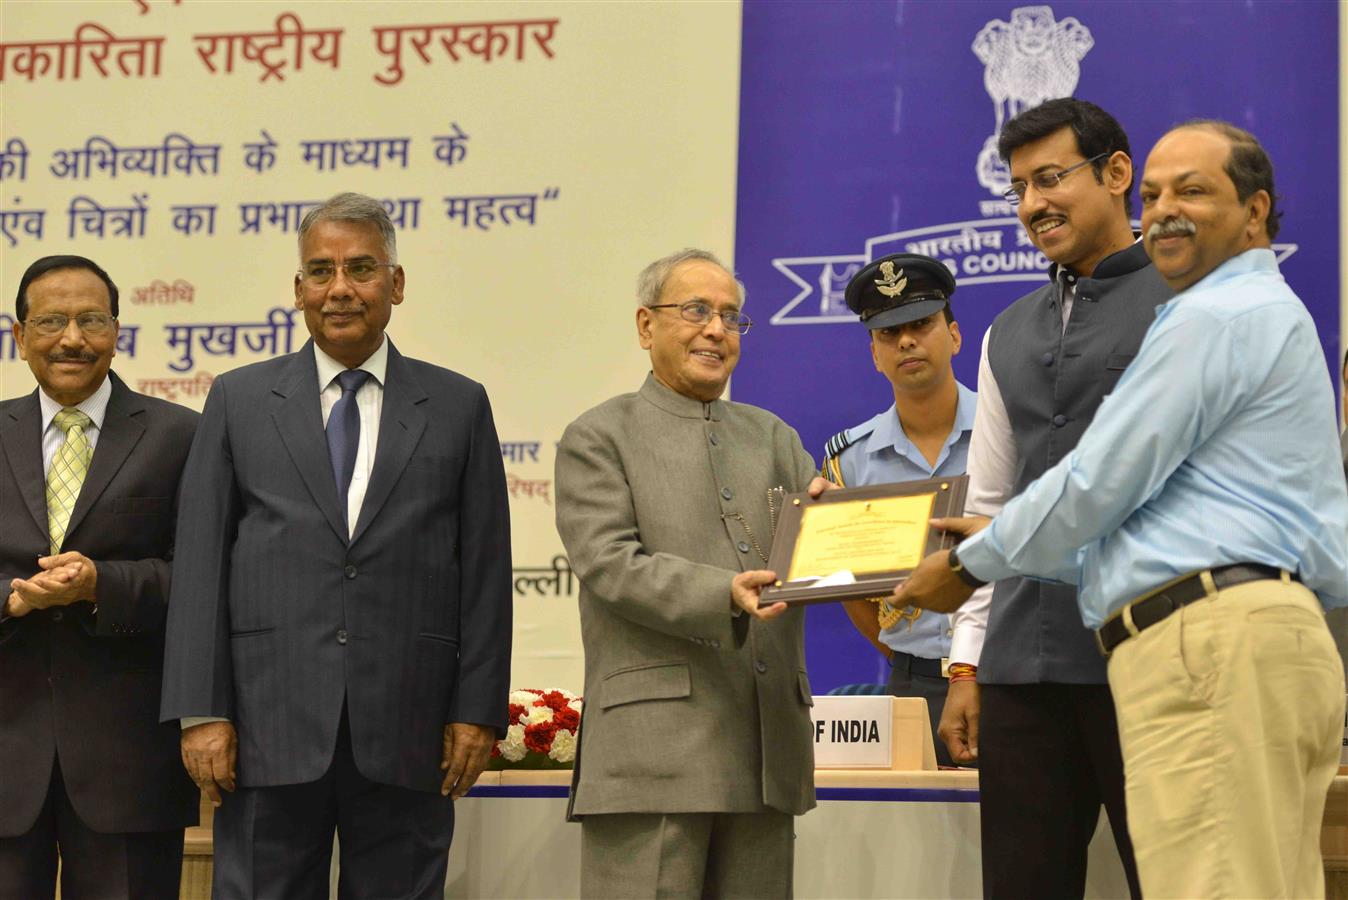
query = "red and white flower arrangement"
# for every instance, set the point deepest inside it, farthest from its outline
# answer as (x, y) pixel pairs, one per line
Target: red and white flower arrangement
(542, 731)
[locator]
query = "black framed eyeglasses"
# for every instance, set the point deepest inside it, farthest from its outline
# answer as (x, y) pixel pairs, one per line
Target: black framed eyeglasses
(1046, 181)
(697, 312)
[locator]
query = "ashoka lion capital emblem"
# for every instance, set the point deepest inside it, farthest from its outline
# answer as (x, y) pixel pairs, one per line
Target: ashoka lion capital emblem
(1028, 60)
(890, 283)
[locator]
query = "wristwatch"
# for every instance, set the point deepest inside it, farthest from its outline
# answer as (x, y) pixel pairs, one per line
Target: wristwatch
(964, 574)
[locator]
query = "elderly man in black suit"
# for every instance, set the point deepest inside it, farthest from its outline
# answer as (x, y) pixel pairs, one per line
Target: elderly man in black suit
(339, 638)
(89, 475)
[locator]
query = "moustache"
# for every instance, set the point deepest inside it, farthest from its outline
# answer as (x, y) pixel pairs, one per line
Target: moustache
(72, 356)
(1175, 227)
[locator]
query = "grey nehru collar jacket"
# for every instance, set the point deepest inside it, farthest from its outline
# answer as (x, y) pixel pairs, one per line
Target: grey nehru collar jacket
(677, 404)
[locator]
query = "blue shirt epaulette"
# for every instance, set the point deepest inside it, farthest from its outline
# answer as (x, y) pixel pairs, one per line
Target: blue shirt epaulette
(833, 450)
(838, 443)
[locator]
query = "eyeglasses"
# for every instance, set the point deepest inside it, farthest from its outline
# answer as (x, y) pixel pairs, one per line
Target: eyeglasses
(52, 324)
(360, 271)
(697, 312)
(1046, 181)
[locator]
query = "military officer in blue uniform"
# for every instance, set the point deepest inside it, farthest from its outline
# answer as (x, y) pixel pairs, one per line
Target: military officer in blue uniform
(904, 302)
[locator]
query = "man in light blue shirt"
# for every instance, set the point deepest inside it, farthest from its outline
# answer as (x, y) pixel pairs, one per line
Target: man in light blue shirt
(903, 300)
(1197, 519)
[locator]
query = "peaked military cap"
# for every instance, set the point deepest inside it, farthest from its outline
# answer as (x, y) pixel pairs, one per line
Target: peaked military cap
(898, 289)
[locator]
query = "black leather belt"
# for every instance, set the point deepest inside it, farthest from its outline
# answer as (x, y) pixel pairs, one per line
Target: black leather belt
(1152, 609)
(915, 665)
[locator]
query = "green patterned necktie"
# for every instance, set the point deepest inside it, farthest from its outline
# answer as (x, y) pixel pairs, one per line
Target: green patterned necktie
(66, 476)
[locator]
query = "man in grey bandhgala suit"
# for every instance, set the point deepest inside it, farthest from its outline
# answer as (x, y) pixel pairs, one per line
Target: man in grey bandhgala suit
(696, 746)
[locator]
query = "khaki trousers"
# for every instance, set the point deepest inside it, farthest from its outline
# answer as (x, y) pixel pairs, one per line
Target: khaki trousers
(1230, 718)
(638, 855)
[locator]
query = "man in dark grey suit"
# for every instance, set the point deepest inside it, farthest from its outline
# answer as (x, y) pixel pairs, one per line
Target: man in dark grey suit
(696, 747)
(345, 597)
(88, 483)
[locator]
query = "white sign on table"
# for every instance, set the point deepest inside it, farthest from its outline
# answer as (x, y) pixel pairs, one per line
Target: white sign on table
(853, 732)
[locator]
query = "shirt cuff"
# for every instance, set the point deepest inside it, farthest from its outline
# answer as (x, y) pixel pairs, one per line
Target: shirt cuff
(189, 721)
(970, 627)
(981, 558)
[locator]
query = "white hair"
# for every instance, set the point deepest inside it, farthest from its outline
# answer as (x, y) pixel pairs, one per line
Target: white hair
(651, 281)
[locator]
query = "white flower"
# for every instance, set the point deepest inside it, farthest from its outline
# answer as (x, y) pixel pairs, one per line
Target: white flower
(576, 704)
(536, 714)
(523, 698)
(563, 746)
(512, 748)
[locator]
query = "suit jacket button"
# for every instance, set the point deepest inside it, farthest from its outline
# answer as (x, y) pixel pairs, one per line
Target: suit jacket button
(1059, 420)
(341, 636)
(1047, 359)
(727, 493)
(350, 571)
(714, 439)
(761, 666)
(744, 547)
(57, 615)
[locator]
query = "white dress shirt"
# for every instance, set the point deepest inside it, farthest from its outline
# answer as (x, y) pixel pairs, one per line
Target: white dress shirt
(370, 403)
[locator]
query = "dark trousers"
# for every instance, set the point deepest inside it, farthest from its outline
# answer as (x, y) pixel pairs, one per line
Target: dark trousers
(903, 682)
(129, 866)
(1048, 757)
(275, 843)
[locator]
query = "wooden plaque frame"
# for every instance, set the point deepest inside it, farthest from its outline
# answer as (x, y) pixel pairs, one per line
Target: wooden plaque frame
(949, 501)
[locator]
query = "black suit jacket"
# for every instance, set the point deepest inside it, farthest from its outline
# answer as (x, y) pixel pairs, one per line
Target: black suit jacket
(277, 618)
(77, 684)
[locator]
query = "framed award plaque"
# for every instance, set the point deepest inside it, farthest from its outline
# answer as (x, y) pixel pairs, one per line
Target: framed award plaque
(855, 543)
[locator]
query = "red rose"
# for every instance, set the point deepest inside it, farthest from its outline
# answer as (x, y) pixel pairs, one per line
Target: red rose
(516, 713)
(538, 737)
(567, 718)
(555, 699)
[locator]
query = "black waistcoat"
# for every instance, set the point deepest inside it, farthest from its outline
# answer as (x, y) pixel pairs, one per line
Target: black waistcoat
(1052, 380)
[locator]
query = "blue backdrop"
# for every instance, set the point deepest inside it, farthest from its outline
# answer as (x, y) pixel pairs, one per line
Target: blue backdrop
(866, 128)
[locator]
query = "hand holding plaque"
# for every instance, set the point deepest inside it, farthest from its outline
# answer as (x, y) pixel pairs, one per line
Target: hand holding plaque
(854, 543)
(935, 585)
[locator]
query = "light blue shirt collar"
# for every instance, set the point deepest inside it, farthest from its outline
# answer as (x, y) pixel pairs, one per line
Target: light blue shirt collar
(889, 432)
(1259, 259)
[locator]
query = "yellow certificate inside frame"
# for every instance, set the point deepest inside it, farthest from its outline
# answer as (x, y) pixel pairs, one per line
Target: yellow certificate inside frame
(864, 536)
